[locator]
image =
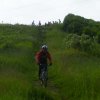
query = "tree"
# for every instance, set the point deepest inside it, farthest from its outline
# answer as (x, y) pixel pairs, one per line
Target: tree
(74, 24)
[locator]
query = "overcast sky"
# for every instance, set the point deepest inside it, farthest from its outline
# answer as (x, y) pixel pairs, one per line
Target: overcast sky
(25, 11)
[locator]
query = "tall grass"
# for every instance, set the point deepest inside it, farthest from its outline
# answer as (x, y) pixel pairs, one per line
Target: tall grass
(17, 45)
(76, 74)
(18, 71)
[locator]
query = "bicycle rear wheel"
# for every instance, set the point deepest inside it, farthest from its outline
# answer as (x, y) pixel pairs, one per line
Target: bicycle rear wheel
(45, 83)
(44, 80)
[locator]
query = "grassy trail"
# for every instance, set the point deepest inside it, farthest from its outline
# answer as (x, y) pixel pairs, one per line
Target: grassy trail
(50, 92)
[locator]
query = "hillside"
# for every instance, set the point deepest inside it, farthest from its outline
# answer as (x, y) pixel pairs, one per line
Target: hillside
(74, 75)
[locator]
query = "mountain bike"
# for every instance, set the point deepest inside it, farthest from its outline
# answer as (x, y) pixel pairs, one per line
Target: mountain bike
(44, 77)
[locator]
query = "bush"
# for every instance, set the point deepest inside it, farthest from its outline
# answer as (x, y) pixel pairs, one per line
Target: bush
(98, 37)
(72, 41)
(83, 42)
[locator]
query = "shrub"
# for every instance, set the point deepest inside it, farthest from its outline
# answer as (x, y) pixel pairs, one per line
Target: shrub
(83, 42)
(72, 41)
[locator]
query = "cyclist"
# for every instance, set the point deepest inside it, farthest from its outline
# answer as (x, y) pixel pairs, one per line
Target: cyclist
(43, 59)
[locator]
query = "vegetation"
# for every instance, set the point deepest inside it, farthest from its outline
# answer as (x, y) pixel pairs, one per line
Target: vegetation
(80, 25)
(75, 73)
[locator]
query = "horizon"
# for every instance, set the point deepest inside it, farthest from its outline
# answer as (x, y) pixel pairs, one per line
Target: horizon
(44, 22)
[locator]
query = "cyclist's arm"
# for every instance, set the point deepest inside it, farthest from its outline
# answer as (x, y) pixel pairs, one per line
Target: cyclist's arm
(49, 57)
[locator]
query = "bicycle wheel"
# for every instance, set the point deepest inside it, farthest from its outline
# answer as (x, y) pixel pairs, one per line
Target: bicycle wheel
(44, 78)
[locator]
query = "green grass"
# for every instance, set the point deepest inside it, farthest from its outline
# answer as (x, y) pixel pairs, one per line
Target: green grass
(15, 62)
(18, 70)
(74, 75)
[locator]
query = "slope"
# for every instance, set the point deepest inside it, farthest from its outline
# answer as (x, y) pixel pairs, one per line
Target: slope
(76, 74)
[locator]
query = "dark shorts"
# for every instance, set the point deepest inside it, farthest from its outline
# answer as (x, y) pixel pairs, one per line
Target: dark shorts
(42, 66)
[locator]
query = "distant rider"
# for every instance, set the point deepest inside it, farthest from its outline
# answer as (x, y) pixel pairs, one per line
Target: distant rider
(43, 58)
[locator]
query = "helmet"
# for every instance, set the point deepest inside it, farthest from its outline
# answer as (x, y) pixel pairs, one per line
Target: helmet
(44, 47)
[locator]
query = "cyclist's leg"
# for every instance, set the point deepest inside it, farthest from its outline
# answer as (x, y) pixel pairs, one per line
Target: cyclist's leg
(46, 70)
(46, 75)
(41, 66)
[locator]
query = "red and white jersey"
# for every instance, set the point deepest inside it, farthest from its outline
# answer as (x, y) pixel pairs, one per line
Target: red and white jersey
(43, 57)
